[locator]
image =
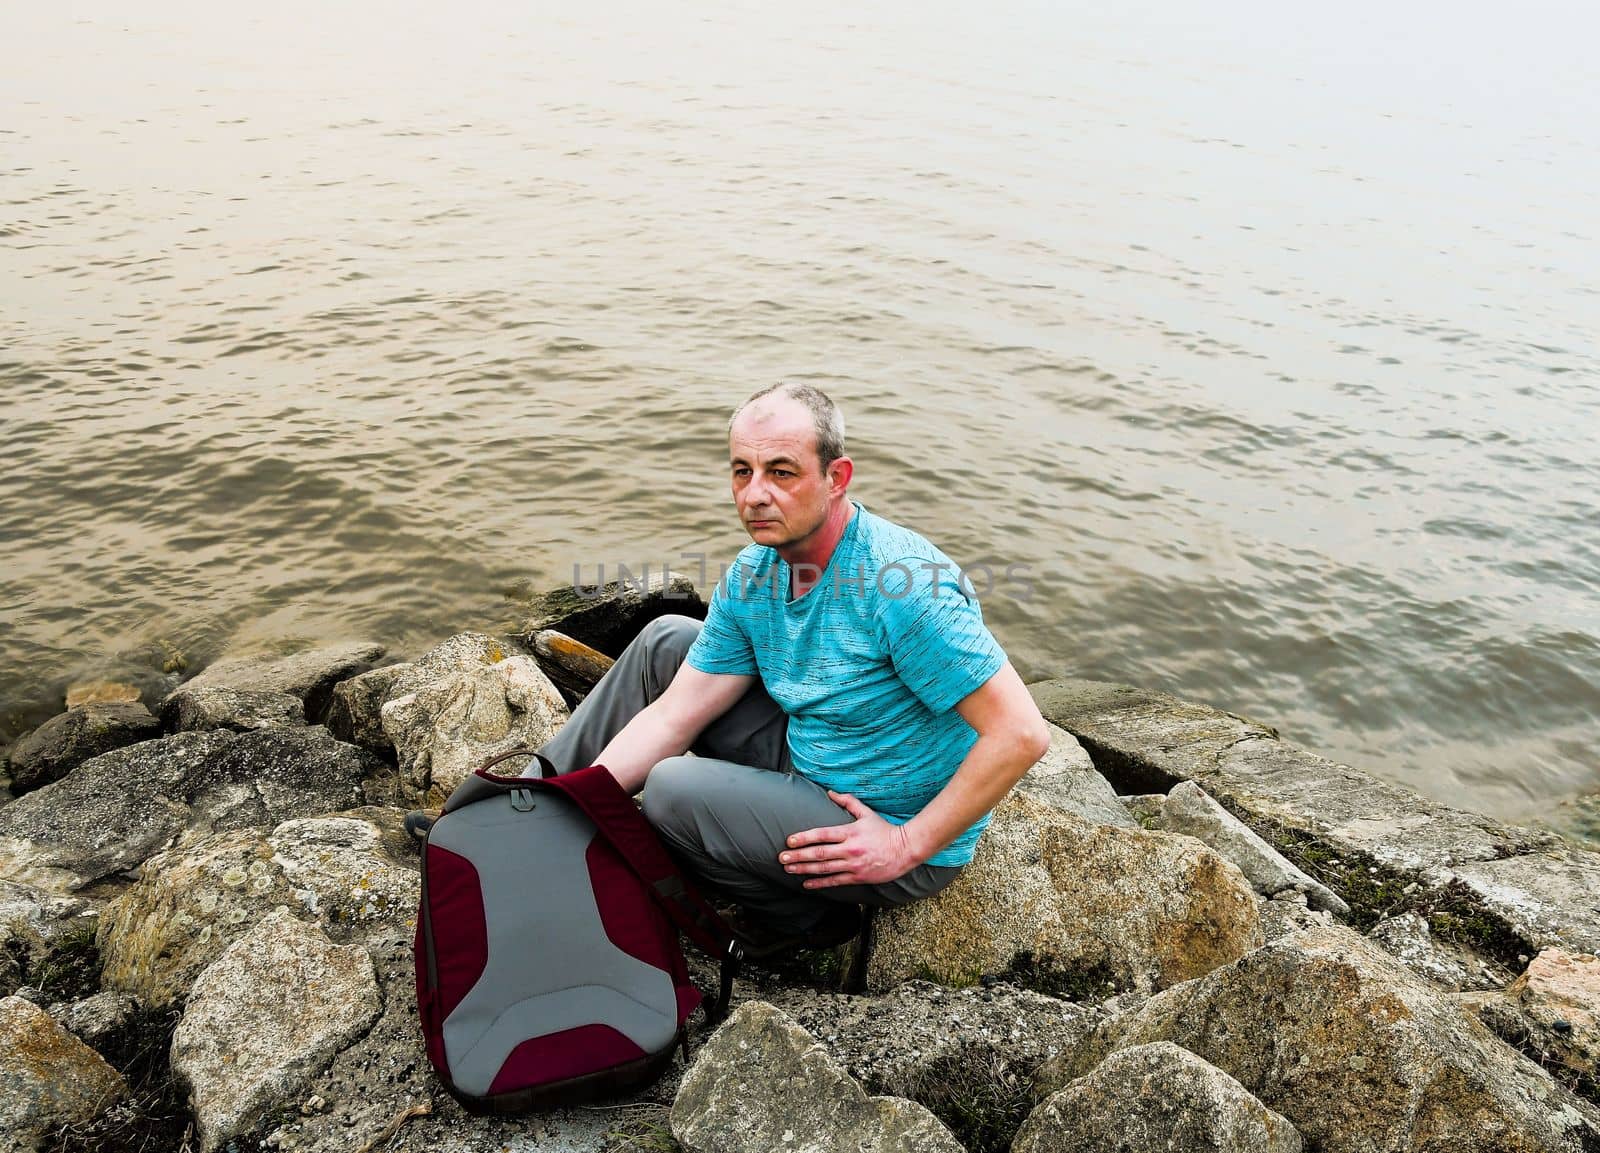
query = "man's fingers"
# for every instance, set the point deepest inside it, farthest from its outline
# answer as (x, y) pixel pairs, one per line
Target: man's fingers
(849, 804)
(830, 882)
(832, 834)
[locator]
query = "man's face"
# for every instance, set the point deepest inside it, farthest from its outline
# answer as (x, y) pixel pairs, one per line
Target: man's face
(778, 484)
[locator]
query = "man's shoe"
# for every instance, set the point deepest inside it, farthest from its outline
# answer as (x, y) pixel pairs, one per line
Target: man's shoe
(839, 925)
(418, 822)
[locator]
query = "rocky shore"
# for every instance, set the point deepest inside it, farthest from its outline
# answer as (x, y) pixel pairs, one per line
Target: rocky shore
(1180, 932)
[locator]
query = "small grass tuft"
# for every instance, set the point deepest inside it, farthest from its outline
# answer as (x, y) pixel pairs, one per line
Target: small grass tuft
(1068, 981)
(153, 1115)
(644, 1130)
(980, 1096)
(69, 969)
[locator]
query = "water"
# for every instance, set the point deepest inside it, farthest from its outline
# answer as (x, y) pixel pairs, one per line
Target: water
(1261, 344)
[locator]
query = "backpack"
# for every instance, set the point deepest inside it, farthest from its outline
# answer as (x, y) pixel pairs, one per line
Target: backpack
(547, 956)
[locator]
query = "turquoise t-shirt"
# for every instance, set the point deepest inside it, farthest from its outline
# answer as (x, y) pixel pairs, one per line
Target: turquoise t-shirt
(869, 664)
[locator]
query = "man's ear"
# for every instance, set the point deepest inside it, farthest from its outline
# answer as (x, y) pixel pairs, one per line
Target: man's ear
(839, 474)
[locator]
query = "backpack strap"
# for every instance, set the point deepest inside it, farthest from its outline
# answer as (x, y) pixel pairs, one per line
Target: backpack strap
(596, 792)
(603, 801)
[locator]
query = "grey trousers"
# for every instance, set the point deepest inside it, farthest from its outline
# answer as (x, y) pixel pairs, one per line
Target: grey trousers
(726, 811)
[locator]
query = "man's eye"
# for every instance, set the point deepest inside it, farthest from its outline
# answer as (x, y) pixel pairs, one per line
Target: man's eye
(781, 472)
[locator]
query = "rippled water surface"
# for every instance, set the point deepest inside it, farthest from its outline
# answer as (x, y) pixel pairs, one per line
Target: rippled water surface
(1263, 344)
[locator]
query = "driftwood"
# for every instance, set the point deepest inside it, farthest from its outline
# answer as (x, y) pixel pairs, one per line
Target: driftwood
(573, 666)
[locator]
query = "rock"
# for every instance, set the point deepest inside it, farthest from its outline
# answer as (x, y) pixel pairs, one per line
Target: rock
(1189, 810)
(444, 730)
(65, 741)
(1559, 998)
(201, 708)
(969, 1055)
(47, 1076)
(348, 871)
(356, 712)
(97, 692)
(310, 676)
(1064, 905)
(572, 666)
(1151, 1099)
(1357, 1052)
(1550, 898)
(919, 1031)
(109, 815)
(193, 902)
(385, 1071)
(1147, 809)
(1286, 912)
(1408, 938)
(607, 617)
(1065, 779)
(189, 905)
(116, 810)
(265, 1018)
(139, 680)
(96, 1020)
(34, 923)
(1145, 741)
(763, 1083)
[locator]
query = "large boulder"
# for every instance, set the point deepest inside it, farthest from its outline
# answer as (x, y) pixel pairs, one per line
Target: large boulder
(445, 729)
(310, 675)
(265, 1018)
(193, 902)
(763, 1083)
(1146, 741)
(124, 806)
(1065, 779)
(1152, 1099)
(969, 1055)
(202, 707)
(47, 1077)
(1072, 907)
(1357, 1052)
(355, 713)
(68, 739)
(904, 1041)
(1190, 811)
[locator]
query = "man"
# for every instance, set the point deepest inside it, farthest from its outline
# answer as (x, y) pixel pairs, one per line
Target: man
(853, 719)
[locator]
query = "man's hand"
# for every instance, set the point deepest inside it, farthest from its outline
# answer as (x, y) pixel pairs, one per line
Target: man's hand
(867, 851)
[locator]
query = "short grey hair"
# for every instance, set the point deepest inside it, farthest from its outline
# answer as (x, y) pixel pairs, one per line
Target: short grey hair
(825, 415)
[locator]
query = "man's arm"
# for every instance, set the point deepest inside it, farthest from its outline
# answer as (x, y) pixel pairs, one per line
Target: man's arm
(669, 725)
(1012, 736)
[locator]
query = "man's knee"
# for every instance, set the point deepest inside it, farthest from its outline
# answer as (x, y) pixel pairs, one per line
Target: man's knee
(671, 633)
(669, 793)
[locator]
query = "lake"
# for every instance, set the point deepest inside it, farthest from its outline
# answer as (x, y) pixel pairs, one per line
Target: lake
(1262, 343)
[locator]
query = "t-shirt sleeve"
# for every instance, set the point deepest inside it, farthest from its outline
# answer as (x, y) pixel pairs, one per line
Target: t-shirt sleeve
(722, 646)
(934, 632)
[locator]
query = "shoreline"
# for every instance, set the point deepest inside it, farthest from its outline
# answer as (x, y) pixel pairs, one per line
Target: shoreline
(1160, 851)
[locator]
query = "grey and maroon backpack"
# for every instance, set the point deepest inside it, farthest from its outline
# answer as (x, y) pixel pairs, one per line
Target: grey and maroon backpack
(548, 964)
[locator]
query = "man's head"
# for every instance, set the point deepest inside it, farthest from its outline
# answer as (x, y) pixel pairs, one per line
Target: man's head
(789, 471)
